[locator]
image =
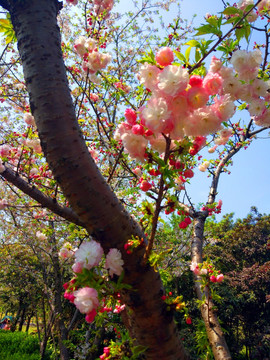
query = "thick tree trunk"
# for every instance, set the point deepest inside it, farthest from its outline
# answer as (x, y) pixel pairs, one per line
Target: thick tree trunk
(213, 328)
(90, 197)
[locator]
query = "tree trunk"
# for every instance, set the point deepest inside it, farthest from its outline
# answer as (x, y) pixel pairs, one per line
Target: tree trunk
(88, 194)
(213, 328)
(22, 318)
(17, 317)
(46, 335)
(28, 322)
(58, 297)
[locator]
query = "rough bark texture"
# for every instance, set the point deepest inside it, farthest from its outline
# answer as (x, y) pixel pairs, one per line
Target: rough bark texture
(213, 328)
(87, 192)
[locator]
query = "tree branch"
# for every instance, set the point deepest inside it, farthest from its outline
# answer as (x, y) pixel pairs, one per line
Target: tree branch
(42, 199)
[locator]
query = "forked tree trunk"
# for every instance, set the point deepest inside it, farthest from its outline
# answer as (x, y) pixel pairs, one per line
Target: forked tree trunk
(214, 332)
(88, 194)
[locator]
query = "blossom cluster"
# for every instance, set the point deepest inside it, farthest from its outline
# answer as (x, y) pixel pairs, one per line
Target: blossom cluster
(93, 60)
(88, 256)
(214, 208)
(181, 105)
(132, 244)
(262, 8)
(207, 271)
(100, 6)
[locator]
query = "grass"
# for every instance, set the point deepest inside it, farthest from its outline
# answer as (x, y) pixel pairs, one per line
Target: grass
(19, 346)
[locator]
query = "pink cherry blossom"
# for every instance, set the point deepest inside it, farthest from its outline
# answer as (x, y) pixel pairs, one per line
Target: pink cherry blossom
(148, 75)
(156, 114)
(246, 63)
(138, 129)
(114, 262)
(89, 254)
(145, 185)
(131, 116)
(220, 278)
(173, 79)
(264, 5)
(79, 45)
(122, 129)
(263, 119)
(94, 97)
(34, 144)
(73, 2)
(29, 119)
(212, 83)
(97, 61)
(195, 80)
(158, 143)
(164, 56)
(77, 267)
(90, 44)
(4, 150)
(259, 87)
(86, 299)
(195, 268)
(135, 145)
(223, 107)
(243, 4)
(91, 316)
(204, 166)
(197, 97)
(66, 251)
(103, 5)
(212, 149)
(137, 171)
(202, 122)
(215, 65)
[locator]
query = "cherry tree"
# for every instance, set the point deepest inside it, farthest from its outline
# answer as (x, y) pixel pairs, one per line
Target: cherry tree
(177, 108)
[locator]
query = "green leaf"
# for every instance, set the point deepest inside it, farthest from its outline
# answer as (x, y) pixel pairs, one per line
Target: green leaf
(187, 53)
(231, 10)
(204, 29)
(192, 43)
(247, 32)
(180, 56)
(212, 20)
(240, 33)
(7, 29)
(197, 55)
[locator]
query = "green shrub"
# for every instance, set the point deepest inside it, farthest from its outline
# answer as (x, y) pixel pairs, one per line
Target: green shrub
(19, 346)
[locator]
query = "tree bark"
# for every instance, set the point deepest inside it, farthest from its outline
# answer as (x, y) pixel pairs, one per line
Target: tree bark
(214, 332)
(22, 318)
(90, 197)
(29, 317)
(58, 298)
